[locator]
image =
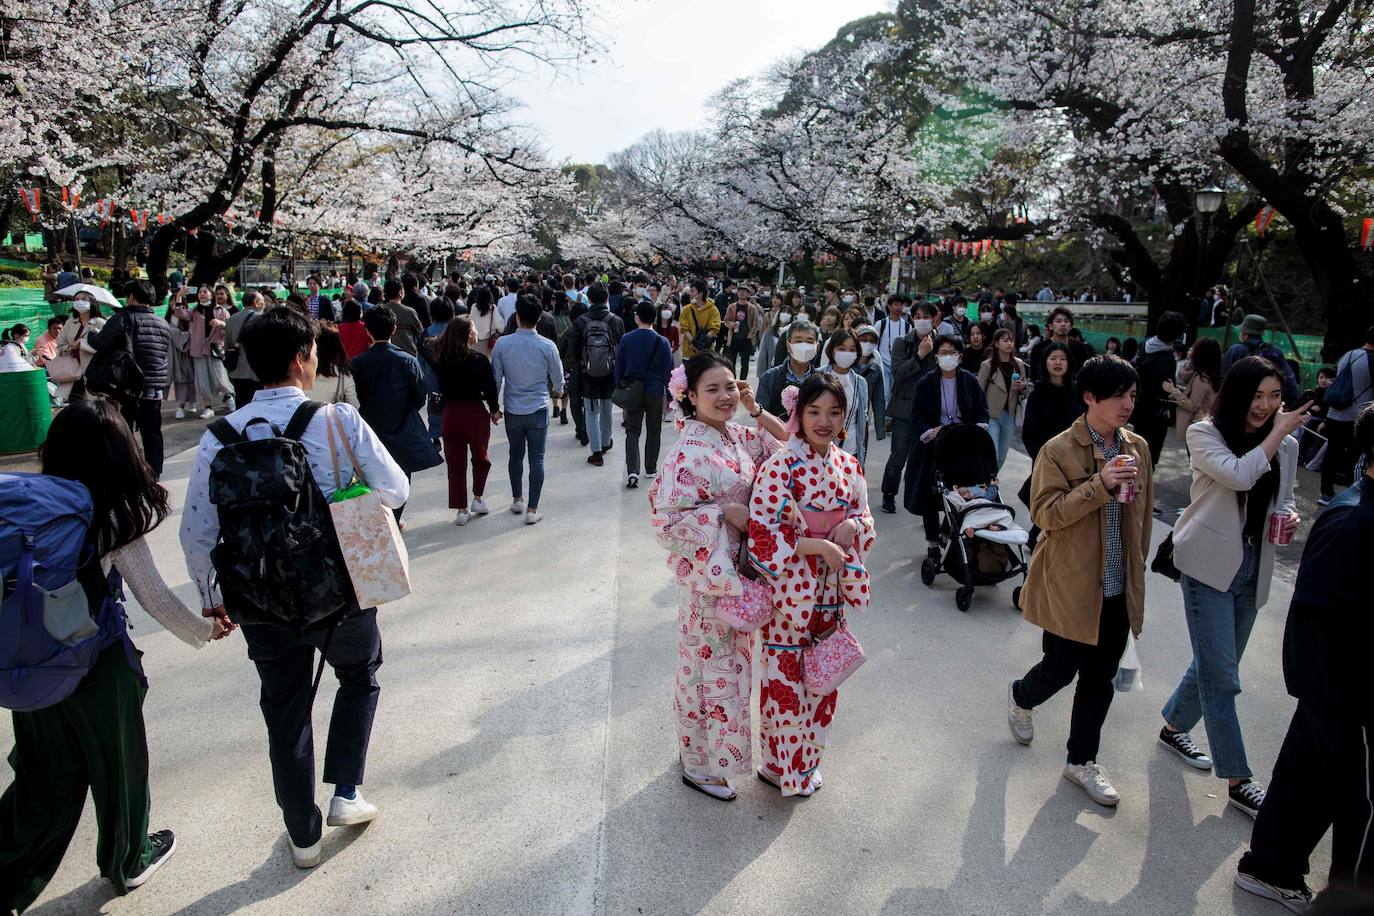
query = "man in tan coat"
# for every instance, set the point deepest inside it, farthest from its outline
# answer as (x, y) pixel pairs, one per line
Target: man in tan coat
(1086, 587)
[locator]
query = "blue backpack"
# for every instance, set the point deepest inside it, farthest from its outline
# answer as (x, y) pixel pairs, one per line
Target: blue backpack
(44, 522)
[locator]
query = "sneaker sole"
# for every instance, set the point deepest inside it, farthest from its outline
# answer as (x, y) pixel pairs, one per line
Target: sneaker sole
(1259, 888)
(309, 862)
(142, 879)
(351, 820)
(1024, 742)
(1195, 764)
(1104, 802)
(1244, 809)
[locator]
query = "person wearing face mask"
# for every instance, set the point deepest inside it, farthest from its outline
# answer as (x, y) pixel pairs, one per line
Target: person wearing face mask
(700, 321)
(666, 329)
(802, 338)
(951, 395)
(842, 357)
(892, 327)
(871, 369)
(16, 339)
(792, 309)
(86, 319)
(181, 381)
(913, 355)
(768, 337)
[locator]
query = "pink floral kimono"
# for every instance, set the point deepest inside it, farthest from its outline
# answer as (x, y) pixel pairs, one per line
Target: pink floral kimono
(795, 487)
(704, 472)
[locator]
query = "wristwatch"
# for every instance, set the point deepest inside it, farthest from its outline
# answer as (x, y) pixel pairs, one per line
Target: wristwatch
(755, 416)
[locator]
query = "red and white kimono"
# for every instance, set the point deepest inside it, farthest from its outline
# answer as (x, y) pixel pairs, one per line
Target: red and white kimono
(795, 486)
(704, 472)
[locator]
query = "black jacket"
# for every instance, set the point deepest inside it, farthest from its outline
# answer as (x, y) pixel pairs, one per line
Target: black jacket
(391, 392)
(596, 388)
(925, 415)
(152, 342)
(907, 369)
(1151, 404)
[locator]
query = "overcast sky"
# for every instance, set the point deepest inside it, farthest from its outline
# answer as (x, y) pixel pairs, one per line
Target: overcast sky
(667, 58)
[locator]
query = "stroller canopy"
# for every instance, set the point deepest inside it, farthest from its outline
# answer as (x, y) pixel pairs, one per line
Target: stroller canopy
(964, 455)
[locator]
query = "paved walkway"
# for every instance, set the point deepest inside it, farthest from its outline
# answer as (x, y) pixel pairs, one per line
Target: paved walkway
(524, 759)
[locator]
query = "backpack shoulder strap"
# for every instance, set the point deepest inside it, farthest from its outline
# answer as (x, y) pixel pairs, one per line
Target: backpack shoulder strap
(225, 432)
(301, 419)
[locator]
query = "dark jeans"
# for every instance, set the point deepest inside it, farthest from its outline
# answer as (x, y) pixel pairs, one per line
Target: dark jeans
(650, 412)
(244, 389)
(527, 432)
(739, 360)
(1321, 780)
(896, 462)
(1095, 667)
(579, 410)
(286, 667)
(145, 415)
(1339, 462)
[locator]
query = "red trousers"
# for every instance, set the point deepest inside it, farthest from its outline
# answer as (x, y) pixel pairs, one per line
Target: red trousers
(467, 425)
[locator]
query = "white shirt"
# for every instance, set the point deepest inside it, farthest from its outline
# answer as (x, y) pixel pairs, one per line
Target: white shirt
(891, 330)
(200, 519)
(505, 307)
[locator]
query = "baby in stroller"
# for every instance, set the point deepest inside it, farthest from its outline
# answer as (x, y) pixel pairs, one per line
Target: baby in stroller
(980, 542)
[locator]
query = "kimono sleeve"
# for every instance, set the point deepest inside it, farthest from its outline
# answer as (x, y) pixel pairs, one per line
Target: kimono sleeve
(692, 528)
(773, 519)
(855, 579)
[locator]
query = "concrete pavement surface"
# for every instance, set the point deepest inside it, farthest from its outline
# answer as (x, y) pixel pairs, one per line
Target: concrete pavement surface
(524, 756)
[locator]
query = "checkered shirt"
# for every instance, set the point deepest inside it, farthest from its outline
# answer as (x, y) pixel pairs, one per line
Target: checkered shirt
(1114, 569)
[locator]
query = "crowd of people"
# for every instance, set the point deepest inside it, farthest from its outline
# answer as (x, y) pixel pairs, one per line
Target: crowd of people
(767, 524)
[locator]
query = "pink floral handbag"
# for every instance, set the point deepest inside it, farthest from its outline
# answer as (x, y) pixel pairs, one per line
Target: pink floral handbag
(751, 610)
(832, 656)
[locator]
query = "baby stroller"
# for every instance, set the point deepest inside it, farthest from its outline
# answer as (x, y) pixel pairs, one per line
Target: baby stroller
(979, 542)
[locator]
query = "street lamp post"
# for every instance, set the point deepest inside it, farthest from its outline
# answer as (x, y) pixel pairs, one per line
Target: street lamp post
(1206, 201)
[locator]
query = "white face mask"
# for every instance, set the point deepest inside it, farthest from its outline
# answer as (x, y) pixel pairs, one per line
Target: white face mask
(82, 307)
(868, 347)
(666, 313)
(784, 317)
(922, 326)
(848, 300)
(948, 361)
(845, 358)
(802, 352)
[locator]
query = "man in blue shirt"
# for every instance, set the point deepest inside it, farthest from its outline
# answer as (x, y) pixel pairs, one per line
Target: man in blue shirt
(643, 356)
(1252, 343)
(527, 368)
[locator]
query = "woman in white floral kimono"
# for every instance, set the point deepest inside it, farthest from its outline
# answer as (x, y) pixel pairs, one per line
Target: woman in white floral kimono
(810, 532)
(700, 505)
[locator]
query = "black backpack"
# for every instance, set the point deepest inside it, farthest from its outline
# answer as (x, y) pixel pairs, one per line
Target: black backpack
(598, 358)
(278, 558)
(115, 372)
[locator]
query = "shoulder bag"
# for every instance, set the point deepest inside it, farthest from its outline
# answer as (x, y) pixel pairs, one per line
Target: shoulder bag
(833, 655)
(114, 371)
(752, 609)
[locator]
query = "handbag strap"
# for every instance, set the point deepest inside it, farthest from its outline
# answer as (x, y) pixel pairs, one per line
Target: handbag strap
(333, 422)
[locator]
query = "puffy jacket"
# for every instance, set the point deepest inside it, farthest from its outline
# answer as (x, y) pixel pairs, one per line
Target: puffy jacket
(152, 342)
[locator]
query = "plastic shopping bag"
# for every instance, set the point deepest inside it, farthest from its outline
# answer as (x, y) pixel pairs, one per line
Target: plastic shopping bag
(1128, 673)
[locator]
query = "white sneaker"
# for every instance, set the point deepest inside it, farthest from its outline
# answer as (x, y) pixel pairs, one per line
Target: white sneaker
(307, 856)
(632, 482)
(518, 506)
(1091, 778)
(479, 506)
(230, 405)
(346, 812)
(208, 414)
(462, 518)
(180, 414)
(533, 518)
(1022, 728)
(651, 472)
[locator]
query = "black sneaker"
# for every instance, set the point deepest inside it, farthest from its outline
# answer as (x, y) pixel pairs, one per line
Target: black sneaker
(1297, 899)
(164, 844)
(562, 418)
(595, 458)
(1181, 743)
(1247, 797)
(889, 504)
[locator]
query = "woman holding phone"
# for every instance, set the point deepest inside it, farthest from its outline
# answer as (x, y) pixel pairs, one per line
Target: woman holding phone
(1244, 462)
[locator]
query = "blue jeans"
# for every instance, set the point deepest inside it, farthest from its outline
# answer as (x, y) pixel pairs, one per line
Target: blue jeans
(599, 423)
(527, 430)
(1002, 429)
(1219, 625)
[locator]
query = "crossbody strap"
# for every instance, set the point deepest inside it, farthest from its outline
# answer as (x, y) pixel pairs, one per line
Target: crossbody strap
(301, 419)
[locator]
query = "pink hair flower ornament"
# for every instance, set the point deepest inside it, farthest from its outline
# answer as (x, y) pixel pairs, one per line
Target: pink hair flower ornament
(790, 395)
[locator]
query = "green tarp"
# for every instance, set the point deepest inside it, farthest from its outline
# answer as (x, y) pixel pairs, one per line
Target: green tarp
(25, 413)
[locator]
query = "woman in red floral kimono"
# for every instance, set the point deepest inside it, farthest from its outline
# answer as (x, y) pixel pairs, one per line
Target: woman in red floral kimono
(700, 511)
(810, 532)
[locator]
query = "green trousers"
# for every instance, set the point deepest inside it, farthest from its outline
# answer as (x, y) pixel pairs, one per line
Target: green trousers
(94, 738)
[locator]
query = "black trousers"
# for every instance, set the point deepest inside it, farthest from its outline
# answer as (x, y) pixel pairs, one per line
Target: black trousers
(1321, 781)
(649, 412)
(579, 410)
(1339, 462)
(1094, 666)
(738, 357)
(285, 665)
(896, 462)
(145, 415)
(244, 389)
(1154, 432)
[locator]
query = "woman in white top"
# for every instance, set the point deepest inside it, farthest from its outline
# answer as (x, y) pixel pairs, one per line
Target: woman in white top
(85, 321)
(1244, 462)
(841, 353)
(1003, 379)
(96, 737)
(486, 321)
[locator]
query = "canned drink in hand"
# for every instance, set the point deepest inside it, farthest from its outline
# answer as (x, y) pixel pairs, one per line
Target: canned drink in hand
(1278, 533)
(1126, 491)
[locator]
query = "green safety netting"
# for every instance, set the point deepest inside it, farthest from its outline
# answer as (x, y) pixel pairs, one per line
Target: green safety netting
(24, 411)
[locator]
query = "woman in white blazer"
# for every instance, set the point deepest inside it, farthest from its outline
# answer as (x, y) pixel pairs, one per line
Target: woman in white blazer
(1244, 463)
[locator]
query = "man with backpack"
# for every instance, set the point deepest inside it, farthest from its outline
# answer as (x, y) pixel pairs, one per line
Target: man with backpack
(260, 546)
(140, 330)
(595, 337)
(1352, 389)
(1252, 343)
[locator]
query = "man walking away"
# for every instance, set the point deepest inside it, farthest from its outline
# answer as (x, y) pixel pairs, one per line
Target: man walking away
(152, 345)
(1155, 365)
(595, 337)
(414, 299)
(913, 355)
(1353, 374)
(1252, 343)
(1086, 587)
(643, 357)
(1325, 769)
(408, 330)
(241, 375)
(281, 344)
(528, 367)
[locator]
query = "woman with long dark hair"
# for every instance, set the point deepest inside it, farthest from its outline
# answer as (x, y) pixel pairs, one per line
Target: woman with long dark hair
(1052, 407)
(1003, 379)
(1194, 401)
(486, 321)
(468, 386)
(95, 738)
(208, 320)
(85, 321)
(1244, 462)
(700, 513)
(334, 375)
